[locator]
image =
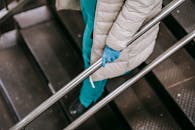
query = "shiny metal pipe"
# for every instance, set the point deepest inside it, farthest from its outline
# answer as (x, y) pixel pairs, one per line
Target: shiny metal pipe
(131, 81)
(72, 84)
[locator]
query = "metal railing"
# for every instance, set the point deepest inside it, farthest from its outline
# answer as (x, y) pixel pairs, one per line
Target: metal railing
(72, 84)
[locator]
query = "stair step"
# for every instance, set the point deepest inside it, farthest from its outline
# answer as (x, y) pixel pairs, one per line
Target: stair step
(141, 107)
(26, 89)
(183, 16)
(181, 22)
(33, 4)
(8, 39)
(6, 120)
(176, 74)
(33, 17)
(56, 57)
(74, 24)
(106, 119)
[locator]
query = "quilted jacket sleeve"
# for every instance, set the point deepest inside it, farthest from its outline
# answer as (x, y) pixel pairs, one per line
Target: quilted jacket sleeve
(128, 22)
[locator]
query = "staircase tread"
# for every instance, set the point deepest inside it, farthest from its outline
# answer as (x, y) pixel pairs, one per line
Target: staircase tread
(142, 110)
(178, 70)
(73, 22)
(183, 16)
(56, 57)
(26, 90)
(184, 95)
(32, 17)
(8, 39)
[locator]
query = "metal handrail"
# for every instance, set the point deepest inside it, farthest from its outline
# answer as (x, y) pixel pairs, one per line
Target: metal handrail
(131, 81)
(73, 83)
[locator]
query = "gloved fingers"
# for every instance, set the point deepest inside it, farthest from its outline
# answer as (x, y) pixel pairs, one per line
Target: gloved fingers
(103, 61)
(107, 60)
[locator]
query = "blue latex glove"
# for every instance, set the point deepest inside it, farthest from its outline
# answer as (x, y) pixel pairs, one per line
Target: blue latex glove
(109, 55)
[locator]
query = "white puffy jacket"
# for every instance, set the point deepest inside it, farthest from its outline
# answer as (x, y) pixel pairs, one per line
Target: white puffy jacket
(116, 21)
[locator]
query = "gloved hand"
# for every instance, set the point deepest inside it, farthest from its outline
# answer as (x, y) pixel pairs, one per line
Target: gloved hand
(109, 55)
